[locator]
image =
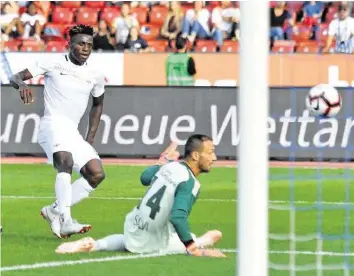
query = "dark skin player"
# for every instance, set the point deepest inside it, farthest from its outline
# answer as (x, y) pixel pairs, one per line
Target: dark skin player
(79, 51)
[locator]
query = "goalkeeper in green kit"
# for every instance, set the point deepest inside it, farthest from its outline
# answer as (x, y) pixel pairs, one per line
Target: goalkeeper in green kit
(159, 223)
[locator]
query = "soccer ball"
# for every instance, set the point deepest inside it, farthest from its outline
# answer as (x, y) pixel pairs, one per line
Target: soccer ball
(323, 100)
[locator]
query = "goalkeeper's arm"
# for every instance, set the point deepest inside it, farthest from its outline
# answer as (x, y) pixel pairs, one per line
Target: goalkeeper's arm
(180, 210)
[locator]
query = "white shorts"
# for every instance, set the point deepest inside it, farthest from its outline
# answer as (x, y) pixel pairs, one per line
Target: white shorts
(165, 241)
(175, 246)
(59, 134)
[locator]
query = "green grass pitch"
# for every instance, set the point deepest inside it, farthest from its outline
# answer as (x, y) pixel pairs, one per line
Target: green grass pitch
(28, 240)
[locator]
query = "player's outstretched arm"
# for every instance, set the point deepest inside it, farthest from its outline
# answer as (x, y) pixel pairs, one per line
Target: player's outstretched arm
(18, 82)
(95, 117)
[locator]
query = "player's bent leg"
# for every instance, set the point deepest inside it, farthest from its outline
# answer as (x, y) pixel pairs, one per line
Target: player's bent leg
(93, 172)
(87, 162)
(109, 243)
(81, 189)
(92, 175)
(210, 238)
(63, 162)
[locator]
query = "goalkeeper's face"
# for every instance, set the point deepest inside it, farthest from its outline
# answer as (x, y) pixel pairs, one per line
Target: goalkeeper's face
(206, 156)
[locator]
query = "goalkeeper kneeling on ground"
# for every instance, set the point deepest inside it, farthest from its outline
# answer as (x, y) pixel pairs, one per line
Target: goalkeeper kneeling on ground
(159, 223)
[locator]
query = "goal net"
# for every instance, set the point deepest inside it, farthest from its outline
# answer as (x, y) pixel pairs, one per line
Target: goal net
(310, 203)
(294, 217)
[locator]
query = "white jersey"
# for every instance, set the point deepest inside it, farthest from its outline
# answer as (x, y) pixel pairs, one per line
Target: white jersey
(67, 87)
(147, 228)
(343, 31)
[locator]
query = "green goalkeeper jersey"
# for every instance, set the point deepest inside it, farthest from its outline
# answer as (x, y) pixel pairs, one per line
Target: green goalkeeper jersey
(165, 207)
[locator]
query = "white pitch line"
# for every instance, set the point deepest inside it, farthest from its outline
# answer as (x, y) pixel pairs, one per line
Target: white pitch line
(202, 199)
(145, 256)
(308, 253)
(84, 261)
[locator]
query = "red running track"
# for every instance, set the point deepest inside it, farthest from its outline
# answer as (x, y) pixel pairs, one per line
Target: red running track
(219, 163)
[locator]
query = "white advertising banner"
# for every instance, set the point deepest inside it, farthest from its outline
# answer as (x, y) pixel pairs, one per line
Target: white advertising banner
(140, 121)
(111, 64)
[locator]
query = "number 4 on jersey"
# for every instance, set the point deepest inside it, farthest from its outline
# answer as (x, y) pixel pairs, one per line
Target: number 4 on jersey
(154, 202)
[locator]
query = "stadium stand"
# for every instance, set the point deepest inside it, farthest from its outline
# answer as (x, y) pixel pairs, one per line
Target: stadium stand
(300, 33)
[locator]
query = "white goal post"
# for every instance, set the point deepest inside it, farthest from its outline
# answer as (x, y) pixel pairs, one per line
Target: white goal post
(252, 224)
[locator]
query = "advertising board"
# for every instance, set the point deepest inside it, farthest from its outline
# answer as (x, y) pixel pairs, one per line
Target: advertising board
(142, 121)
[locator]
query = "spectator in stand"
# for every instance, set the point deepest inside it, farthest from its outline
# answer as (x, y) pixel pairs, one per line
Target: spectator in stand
(121, 26)
(173, 22)
(102, 39)
(226, 18)
(135, 43)
(32, 22)
(196, 25)
(312, 15)
(342, 30)
(313, 11)
(280, 19)
(8, 19)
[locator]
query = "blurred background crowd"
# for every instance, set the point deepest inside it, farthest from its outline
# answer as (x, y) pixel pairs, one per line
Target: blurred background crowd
(152, 26)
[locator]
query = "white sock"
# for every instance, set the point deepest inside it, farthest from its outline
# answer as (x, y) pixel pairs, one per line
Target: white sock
(63, 194)
(81, 189)
(111, 243)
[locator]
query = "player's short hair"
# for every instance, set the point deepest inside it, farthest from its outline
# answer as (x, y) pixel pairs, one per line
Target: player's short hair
(195, 143)
(180, 42)
(80, 29)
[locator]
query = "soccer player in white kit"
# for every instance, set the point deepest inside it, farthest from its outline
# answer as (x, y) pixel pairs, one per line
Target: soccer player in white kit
(69, 80)
(159, 223)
